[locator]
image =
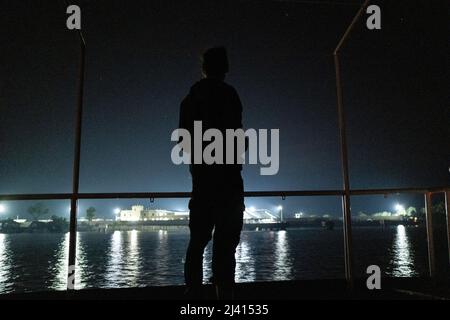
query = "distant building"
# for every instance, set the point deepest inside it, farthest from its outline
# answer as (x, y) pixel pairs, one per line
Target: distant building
(252, 215)
(139, 213)
(130, 215)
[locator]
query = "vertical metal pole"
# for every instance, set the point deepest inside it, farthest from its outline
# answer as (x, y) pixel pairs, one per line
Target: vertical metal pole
(430, 238)
(346, 213)
(447, 213)
(347, 219)
(76, 169)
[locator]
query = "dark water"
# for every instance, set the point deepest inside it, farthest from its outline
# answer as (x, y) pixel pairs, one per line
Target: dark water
(34, 262)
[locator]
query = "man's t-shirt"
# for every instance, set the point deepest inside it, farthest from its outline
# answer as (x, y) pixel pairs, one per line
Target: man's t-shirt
(218, 106)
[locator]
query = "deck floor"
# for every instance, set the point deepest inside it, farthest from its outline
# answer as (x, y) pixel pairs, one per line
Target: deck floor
(404, 289)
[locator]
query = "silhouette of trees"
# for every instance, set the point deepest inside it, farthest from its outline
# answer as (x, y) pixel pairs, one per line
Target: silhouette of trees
(37, 211)
(411, 211)
(58, 224)
(90, 214)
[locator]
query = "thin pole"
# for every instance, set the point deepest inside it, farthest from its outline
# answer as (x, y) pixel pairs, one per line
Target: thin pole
(346, 212)
(350, 27)
(76, 168)
(447, 213)
(430, 238)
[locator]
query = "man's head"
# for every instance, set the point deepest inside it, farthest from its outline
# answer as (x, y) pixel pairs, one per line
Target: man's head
(215, 63)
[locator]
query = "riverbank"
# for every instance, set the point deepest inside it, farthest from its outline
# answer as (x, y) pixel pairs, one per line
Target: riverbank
(60, 225)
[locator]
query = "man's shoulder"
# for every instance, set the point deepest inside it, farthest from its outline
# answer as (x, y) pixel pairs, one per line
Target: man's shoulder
(211, 90)
(229, 87)
(210, 83)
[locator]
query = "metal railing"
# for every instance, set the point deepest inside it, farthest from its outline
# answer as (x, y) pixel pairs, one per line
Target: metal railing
(427, 192)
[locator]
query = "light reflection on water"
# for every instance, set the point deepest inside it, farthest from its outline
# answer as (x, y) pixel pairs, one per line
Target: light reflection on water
(245, 263)
(135, 258)
(124, 260)
(60, 268)
(283, 265)
(403, 260)
(114, 267)
(4, 263)
(162, 256)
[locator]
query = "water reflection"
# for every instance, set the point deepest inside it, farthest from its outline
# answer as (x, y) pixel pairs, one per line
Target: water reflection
(60, 267)
(403, 261)
(245, 264)
(161, 259)
(80, 264)
(124, 262)
(133, 259)
(36, 262)
(114, 268)
(59, 282)
(5, 264)
(283, 265)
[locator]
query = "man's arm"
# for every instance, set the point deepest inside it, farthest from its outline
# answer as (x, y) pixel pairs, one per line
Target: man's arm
(186, 120)
(237, 108)
(237, 104)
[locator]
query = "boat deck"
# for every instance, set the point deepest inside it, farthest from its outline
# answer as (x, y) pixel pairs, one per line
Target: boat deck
(403, 289)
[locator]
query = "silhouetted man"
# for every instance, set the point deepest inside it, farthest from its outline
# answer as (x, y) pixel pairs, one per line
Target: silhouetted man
(217, 201)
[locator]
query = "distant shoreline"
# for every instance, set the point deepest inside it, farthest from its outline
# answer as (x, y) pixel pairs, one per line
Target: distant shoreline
(164, 226)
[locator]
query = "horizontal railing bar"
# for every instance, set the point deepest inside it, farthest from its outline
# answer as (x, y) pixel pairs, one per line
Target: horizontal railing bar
(38, 196)
(156, 195)
(293, 193)
(136, 195)
(359, 192)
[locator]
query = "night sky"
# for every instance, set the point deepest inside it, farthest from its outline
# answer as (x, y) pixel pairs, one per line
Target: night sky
(143, 56)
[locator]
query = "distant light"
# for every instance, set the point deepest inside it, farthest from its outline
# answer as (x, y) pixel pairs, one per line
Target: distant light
(399, 207)
(280, 208)
(2, 208)
(251, 209)
(117, 210)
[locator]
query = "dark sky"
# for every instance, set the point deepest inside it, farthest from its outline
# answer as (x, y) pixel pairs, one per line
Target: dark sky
(143, 56)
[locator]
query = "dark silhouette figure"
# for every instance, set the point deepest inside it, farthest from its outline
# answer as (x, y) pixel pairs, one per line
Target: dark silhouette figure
(217, 203)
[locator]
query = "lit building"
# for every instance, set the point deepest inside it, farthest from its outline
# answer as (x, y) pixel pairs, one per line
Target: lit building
(130, 215)
(139, 213)
(252, 215)
(298, 215)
